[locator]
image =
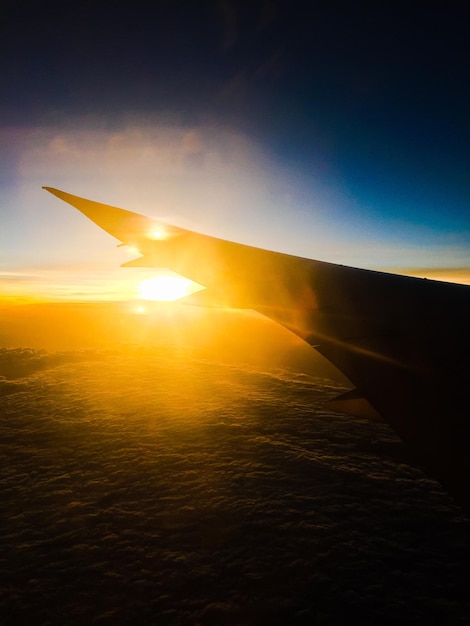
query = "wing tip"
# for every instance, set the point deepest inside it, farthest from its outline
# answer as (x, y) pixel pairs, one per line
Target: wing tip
(53, 191)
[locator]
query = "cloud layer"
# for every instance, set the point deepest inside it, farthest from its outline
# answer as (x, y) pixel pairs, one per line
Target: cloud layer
(147, 486)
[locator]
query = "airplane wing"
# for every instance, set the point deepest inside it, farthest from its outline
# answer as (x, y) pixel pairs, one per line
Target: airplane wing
(403, 342)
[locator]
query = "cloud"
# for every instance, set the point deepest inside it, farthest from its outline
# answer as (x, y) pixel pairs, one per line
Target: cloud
(206, 177)
(22, 362)
(143, 162)
(147, 486)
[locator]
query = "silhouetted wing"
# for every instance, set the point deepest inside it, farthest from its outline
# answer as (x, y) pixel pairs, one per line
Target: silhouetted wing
(403, 342)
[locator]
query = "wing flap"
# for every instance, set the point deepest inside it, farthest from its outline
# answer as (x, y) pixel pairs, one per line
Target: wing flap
(353, 403)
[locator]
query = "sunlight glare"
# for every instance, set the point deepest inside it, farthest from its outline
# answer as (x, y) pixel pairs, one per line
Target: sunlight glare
(167, 287)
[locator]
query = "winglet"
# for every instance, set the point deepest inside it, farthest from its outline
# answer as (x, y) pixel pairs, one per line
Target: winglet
(126, 226)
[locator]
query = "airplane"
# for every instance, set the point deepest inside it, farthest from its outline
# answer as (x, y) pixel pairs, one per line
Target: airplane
(403, 342)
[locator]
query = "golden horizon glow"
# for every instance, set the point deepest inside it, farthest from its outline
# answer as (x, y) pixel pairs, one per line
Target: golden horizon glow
(167, 288)
(456, 275)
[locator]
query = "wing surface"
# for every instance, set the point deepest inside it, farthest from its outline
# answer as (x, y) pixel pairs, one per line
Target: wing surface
(403, 342)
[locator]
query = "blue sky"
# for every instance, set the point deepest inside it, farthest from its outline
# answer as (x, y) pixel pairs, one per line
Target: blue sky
(340, 135)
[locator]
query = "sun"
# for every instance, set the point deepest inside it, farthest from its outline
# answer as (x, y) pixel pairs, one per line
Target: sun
(167, 287)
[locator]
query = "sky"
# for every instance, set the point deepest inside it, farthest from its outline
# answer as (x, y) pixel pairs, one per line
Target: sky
(194, 470)
(338, 133)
